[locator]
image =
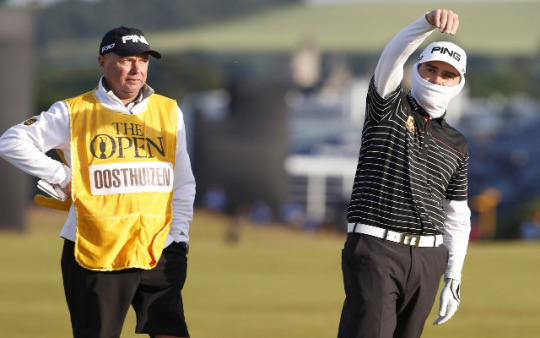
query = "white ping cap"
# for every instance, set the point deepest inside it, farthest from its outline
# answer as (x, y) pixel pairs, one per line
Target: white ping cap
(447, 52)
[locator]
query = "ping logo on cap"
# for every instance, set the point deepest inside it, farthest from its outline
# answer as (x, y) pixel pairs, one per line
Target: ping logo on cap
(444, 50)
(105, 48)
(134, 38)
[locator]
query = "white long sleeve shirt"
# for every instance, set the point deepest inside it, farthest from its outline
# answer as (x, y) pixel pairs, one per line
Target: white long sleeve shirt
(388, 76)
(25, 145)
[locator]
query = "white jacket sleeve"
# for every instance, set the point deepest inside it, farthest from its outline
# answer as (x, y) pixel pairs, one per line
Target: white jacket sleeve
(457, 227)
(389, 71)
(184, 188)
(25, 145)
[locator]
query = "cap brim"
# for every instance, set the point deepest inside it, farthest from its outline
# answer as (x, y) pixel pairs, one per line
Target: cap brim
(131, 52)
(439, 60)
(155, 54)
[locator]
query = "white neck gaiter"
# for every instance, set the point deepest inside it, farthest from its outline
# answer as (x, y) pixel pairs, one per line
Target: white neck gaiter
(432, 97)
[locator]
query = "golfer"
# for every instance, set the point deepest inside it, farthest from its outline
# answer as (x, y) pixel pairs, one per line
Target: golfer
(409, 220)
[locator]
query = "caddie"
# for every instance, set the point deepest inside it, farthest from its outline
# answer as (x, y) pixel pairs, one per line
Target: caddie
(409, 219)
(129, 188)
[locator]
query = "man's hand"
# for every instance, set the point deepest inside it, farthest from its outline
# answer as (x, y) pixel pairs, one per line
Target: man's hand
(444, 19)
(449, 301)
(67, 189)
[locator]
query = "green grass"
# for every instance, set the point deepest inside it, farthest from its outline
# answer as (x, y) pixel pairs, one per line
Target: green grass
(486, 28)
(274, 283)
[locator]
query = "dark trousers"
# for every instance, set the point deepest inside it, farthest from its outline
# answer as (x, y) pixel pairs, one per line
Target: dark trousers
(390, 288)
(98, 301)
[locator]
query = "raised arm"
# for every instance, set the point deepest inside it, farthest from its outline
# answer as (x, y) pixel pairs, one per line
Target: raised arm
(389, 71)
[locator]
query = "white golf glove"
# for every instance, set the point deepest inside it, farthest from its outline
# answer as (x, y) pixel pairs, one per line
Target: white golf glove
(449, 301)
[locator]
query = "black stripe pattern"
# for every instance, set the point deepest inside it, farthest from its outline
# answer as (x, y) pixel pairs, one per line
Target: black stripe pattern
(406, 167)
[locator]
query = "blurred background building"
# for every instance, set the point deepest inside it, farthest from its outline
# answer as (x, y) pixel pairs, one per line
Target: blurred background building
(16, 99)
(273, 93)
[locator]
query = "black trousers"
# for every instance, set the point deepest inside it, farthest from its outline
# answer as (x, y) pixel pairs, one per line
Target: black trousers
(98, 301)
(390, 288)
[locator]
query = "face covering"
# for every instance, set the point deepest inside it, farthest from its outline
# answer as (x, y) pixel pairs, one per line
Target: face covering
(432, 97)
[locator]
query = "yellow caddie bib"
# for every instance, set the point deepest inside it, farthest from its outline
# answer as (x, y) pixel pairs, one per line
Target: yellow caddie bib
(122, 182)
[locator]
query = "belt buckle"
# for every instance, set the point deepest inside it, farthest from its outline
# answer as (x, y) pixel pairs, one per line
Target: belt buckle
(410, 240)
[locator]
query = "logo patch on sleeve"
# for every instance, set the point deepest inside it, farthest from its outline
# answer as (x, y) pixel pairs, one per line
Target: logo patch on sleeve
(30, 121)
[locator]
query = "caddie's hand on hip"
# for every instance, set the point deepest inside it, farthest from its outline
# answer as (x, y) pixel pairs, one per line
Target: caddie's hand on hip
(449, 301)
(444, 19)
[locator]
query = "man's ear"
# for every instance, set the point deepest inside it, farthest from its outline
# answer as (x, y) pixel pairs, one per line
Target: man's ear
(101, 61)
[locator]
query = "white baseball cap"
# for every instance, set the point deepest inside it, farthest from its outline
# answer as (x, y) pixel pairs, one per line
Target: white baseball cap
(447, 52)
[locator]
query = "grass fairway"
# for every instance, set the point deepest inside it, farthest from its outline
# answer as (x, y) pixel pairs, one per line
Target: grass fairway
(273, 283)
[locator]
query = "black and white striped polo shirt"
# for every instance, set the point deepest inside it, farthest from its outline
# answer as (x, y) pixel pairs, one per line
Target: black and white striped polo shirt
(407, 165)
